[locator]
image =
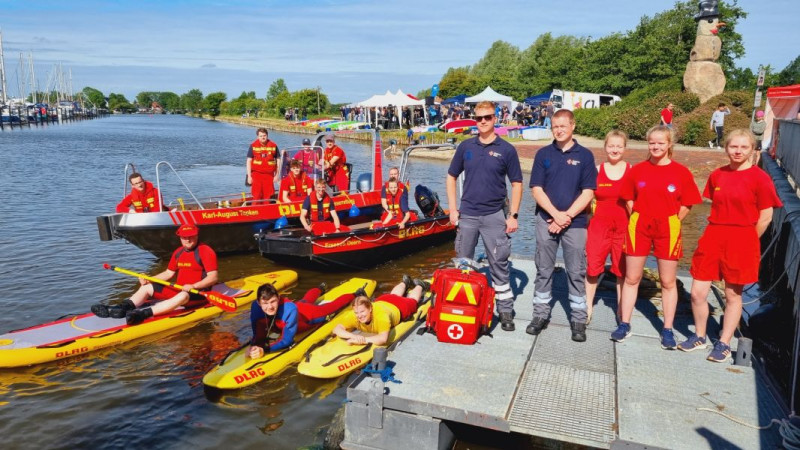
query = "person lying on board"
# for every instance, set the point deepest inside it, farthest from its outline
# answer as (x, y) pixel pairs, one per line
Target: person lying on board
(318, 214)
(296, 185)
(396, 209)
(379, 317)
(143, 197)
(194, 266)
(272, 314)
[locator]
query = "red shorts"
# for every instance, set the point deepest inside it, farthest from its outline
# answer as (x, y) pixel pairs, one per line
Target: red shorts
(604, 238)
(407, 306)
(729, 253)
(325, 227)
(661, 234)
(263, 187)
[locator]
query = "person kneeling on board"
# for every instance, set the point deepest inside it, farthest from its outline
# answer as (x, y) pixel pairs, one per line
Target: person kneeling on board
(318, 211)
(379, 317)
(273, 314)
(144, 197)
(395, 202)
(195, 267)
(296, 185)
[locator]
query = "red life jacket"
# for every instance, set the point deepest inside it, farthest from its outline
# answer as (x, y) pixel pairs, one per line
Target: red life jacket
(400, 187)
(264, 157)
(314, 205)
(340, 163)
(298, 187)
(393, 202)
(147, 201)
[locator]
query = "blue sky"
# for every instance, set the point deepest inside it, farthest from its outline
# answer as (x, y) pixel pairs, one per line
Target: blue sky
(350, 48)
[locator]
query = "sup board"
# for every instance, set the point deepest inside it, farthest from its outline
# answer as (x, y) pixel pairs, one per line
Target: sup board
(238, 370)
(79, 334)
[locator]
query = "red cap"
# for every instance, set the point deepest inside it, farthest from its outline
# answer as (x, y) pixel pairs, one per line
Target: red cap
(187, 231)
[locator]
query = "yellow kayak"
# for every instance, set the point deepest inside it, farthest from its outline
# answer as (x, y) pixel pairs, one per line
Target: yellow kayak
(84, 333)
(238, 370)
(336, 357)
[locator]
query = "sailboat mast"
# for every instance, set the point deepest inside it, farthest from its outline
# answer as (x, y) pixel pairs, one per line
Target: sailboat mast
(2, 72)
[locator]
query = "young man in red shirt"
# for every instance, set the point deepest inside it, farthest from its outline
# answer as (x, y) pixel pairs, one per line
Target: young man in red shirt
(143, 197)
(666, 115)
(262, 163)
(194, 266)
(335, 168)
(296, 185)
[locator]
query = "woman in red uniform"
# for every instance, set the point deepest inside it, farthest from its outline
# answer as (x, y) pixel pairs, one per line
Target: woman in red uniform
(742, 197)
(659, 193)
(606, 232)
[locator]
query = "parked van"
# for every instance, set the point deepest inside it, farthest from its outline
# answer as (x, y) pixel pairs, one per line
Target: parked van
(572, 100)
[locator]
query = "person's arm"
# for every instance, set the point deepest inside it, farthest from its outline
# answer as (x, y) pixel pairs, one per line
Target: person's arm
(341, 332)
(512, 224)
(304, 219)
(560, 218)
(451, 199)
(764, 219)
(285, 196)
(663, 120)
(629, 206)
(249, 170)
(335, 218)
(684, 211)
(125, 205)
(406, 217)
(580, 203)
(289, 329)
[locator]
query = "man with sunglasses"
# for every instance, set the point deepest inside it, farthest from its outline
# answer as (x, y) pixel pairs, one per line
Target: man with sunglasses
(486, 161)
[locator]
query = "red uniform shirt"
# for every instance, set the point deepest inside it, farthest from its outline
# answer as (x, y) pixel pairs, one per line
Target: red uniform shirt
(332, 153)
(147, 201)
(667, 115)
(264, 157)
(186, 264)
(660, 191)
(737, 197)
(609, 204)
(296, 186)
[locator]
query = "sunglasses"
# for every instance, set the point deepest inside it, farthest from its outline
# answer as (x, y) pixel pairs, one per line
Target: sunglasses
(487, 118)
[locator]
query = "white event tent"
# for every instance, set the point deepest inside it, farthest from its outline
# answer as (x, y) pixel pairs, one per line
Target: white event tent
(490, 95)
(397, 100)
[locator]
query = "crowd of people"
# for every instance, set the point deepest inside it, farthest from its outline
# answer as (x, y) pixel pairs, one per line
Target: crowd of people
(638, 211)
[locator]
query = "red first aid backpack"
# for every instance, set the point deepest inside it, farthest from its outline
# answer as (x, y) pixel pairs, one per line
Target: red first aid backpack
(463, 306)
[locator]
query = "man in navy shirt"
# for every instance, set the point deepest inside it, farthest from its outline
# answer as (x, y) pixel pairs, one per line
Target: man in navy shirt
(486, 161)
(563, 180)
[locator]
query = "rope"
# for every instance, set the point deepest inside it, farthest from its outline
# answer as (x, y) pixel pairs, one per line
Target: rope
(788, 431)
(386, 374)
(371, 241)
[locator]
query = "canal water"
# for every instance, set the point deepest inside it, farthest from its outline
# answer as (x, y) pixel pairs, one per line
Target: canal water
(56, 180)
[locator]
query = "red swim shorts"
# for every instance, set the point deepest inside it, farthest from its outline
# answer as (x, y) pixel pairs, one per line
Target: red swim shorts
(661, 234)
(605, 237)
(729, 253)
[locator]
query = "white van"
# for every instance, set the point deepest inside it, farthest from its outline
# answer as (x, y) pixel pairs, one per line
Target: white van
(572, 100)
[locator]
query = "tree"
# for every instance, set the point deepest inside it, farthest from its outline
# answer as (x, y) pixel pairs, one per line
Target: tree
(790, 74)
(457, 81)
(169, 100)
(307, 99)
(276, 88)
(95, 97)
(145, 99)
(192, 101)
(119, 102)
(212, 102)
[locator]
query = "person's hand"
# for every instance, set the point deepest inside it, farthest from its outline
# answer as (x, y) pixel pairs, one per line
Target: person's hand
(562, 219)
(187, 287)
(255, 352)
(357, 340)
(553, 228)
(249, 179)
(512, 225)
(308, 228)
(454, 217)
(142, 281)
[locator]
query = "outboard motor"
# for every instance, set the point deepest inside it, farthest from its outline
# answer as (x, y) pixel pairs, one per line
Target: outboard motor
(364, 182)
(427, 201)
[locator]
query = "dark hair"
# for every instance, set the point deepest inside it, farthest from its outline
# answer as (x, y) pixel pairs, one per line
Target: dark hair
(295, 163)
(266, 291)
(720, 105)
(135, 175)
(262, 130)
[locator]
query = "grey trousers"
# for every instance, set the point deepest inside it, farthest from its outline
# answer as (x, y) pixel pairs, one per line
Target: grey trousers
(492, 229)
(573, 245)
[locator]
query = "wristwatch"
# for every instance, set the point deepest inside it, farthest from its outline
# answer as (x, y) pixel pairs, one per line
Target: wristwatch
(515, 216)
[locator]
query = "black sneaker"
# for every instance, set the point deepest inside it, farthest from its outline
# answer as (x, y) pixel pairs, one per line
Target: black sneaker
(119, 311)
(423, 284)
(536, 326)
(578, 331)
(323, 288)
(408, 281)
(360, 292)
(100, 310)
(138, 316)
(507, 321)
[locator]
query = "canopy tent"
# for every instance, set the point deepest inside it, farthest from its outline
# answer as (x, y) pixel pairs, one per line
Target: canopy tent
(536, 100)
(398, 100)
(457, 99)
(489, 95)
(783, 102)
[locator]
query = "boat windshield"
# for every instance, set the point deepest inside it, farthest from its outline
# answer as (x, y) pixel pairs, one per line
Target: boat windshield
(310, 156)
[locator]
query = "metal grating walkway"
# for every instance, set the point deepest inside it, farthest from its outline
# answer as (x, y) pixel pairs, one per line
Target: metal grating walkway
(567, 391)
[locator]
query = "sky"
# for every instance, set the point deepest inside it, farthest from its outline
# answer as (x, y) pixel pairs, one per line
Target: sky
(350, 49)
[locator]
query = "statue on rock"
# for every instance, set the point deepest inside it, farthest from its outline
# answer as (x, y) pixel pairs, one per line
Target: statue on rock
(704, 75)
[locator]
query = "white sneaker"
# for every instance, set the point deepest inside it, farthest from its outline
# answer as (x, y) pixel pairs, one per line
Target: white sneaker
(710, 144)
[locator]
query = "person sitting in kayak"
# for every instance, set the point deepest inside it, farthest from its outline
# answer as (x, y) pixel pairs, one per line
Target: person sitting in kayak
(309, 158)
(143, 197)
(273, 314)
(194, 266)
(396, 209)
(379, 317)
(318, 214)
(296, 185)
(335, 169)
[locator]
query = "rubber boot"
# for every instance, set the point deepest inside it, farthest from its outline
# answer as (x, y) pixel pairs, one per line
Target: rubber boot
(423, 284)
(138, 316)
(100, 310)
(360, 292)
(121, 310)
(323, 287)
(408, 282)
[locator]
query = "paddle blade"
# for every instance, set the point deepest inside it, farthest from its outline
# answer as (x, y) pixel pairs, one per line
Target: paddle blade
(222, 301)
(107, 266)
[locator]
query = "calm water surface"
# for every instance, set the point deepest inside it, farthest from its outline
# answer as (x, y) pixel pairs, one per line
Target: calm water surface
(55, 181)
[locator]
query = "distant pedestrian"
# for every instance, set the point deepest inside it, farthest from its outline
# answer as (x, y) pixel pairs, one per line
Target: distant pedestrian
(666, 115)
(549, 110)
(718, 123)
(758, 127)
(486, 161)
(563, 180)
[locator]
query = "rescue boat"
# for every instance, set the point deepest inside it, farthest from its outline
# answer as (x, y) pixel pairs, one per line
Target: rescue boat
(228, 222)
(366, 244)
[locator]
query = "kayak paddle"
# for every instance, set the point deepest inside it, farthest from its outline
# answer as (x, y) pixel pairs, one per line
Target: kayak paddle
(215, 298)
